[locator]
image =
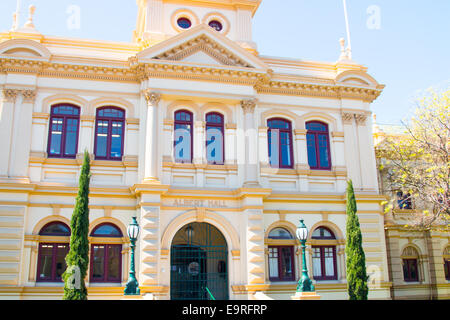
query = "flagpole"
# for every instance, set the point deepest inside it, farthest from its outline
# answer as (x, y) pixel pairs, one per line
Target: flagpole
(349, 48)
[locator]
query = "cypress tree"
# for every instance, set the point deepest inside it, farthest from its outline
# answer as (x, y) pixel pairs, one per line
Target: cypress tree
(356, 259)
(78, 257)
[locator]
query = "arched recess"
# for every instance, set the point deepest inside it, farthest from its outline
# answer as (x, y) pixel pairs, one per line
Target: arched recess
(327, 224)
(53, 218)
(282, 224)
(25, 47)
(184, 104)
(112, 102)
(48, 102)
(279, 113)
(318, 116)
(217, 107)
(200, 215)
(111, 220)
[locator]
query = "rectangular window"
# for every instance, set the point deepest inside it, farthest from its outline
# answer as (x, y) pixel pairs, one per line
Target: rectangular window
(51, 261)
(410, 271)
(106, 263)
(447, 269)
(214, 145)
(324, 263)
(281, 263)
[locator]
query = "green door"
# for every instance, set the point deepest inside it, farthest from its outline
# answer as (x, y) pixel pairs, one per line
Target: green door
(199, 258)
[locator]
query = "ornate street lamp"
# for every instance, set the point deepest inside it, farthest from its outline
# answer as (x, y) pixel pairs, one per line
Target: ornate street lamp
(304, 284)
(132, 287)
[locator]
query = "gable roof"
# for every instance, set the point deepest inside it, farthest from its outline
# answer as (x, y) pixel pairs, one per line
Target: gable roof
(202, 39)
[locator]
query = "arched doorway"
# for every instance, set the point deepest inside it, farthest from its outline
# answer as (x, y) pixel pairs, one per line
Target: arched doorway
(199, 263)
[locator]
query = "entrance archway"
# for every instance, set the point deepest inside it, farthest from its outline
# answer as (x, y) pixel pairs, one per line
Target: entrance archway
(199, 263)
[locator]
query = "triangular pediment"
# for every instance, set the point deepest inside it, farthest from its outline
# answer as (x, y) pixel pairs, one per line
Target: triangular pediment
(203, 46)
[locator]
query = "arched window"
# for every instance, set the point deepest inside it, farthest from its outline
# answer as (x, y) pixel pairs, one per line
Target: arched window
(410, 258)
(52, 252)
(318, 144)
(183, 136)
(109, 128)
(63, 131)
(281, 256)
(214, 138)
(324, 256)
(280, 143)
(106, 258)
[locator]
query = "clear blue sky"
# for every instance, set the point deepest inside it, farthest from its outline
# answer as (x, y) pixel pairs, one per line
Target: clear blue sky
(409, 53)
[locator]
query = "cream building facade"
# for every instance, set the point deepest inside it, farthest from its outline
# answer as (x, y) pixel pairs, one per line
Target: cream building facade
(221, 215)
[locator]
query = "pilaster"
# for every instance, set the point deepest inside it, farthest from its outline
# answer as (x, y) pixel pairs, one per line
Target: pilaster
(6, 129)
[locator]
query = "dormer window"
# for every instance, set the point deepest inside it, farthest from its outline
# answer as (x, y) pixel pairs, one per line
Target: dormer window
(184, 23)
(216, 25)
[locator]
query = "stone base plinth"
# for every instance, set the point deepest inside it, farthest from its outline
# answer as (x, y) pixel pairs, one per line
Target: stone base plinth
(306, 296)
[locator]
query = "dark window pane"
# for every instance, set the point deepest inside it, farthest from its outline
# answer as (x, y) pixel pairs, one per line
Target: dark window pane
(286, 157)
(61, 252)
(46, 261)
(71, 137)
(280, 233)
(114, 256)
(55, 229)
(214, 118)
(106, 230)
(116, 139)
(184, 23)
(215, 25)
(286, 263)
(98, 262)
(314, 126)
(111, 113)
(311, 145)
(278, 124)
(323, 149)
(102, 138)
(66, 110)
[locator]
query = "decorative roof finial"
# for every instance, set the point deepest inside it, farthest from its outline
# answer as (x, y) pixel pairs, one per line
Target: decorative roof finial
(31, 10)
(343, 55)
(16, 16)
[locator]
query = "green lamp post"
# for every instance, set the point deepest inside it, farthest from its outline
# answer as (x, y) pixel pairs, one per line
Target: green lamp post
(132, 287)
(304, 284)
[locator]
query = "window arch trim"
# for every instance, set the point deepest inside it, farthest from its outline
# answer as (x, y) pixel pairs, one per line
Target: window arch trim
(57, 234)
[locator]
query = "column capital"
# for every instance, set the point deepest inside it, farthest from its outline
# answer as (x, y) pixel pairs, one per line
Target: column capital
(360, 119)
(347, 117)
(249, 105)
(10, 95)
(152, 97)
(29, 96)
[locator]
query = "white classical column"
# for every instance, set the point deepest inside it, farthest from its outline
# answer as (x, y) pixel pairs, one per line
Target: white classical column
(7, 116)
(301, 159)
(251, 147)
(21, 142)
(151, 141)
(366, 154)
(352, 155)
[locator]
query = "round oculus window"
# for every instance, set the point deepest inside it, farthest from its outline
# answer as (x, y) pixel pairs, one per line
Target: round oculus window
(184, 23)
(215, 25)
